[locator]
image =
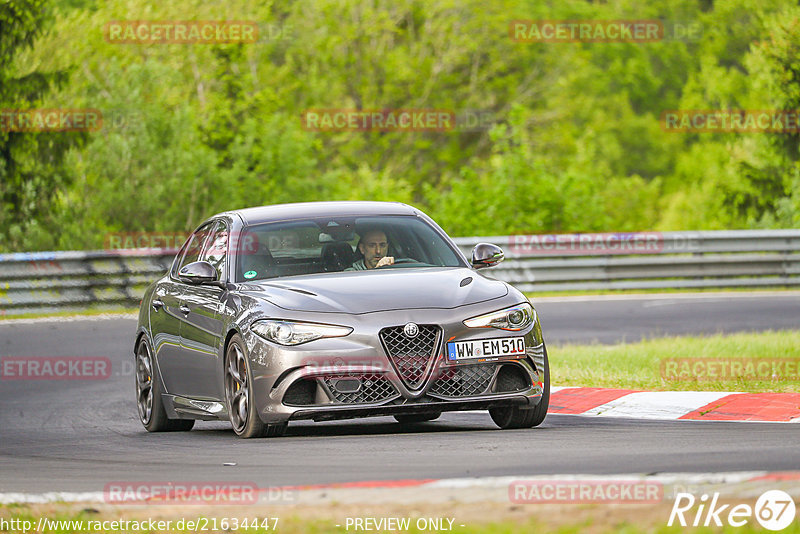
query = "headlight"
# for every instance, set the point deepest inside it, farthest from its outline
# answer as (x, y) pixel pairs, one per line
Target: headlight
(294, 333)
(517, 317)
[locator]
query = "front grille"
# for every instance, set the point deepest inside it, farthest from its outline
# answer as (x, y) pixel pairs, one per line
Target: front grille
(374, 388)
(464, 381)
(411, 356)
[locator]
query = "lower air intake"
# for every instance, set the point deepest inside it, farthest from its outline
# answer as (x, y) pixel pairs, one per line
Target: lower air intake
(373, 388)
(463, 381)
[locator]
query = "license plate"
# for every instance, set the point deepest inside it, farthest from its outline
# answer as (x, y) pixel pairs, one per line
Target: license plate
(485, 349)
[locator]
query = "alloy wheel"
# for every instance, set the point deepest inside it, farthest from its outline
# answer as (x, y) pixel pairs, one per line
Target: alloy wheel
(236, 389)
(144, 383)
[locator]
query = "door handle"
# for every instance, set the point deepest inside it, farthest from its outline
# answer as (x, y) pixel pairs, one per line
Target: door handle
(157, 304)
(184, 309)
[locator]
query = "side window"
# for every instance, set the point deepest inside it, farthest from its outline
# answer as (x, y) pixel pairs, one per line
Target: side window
(194, 246)
(216, 248)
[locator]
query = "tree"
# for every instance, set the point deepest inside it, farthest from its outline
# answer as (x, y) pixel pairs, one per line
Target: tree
(31, 171)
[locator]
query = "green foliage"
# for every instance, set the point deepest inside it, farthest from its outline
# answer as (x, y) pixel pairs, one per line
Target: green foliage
(575, 143)
(31, 163)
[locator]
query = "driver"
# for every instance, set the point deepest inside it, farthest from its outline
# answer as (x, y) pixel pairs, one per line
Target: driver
(373, 245)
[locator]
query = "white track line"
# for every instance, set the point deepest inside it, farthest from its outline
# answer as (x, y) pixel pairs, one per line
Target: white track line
(694, 478)
(422, 491)
(656, 404)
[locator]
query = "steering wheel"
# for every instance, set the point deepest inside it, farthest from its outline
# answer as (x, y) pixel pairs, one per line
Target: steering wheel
(399, 261)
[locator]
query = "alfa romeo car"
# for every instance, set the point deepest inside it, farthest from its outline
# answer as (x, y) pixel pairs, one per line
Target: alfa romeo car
(334, 310)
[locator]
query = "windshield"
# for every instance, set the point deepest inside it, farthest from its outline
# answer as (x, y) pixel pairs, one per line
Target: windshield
(324, 245)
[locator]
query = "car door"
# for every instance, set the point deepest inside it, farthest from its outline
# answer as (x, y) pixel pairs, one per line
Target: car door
(165, 324)
(202, 325)
(169, 319)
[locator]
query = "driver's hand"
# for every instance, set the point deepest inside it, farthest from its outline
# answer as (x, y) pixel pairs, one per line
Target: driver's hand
(386, 260)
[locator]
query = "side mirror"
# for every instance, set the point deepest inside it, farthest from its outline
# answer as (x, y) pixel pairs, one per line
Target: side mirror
(486, 255)
(198, 272)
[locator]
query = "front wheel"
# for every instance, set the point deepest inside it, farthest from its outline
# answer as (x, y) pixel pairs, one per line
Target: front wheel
(148, 395)
(517, 417)
(239, 396)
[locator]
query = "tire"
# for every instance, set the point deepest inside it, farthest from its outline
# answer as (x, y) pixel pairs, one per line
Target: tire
(238, 395)
(517, 417)
(151, 410)
(410, 419)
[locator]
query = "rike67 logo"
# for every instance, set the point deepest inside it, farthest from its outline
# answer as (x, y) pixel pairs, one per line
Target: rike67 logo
(774, 510)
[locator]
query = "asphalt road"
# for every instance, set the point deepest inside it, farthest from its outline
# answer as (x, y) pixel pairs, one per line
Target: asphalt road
(81, 435)
(630, 318)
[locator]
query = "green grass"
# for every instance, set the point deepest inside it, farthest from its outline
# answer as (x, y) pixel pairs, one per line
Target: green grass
(639, 365)
(69, 313)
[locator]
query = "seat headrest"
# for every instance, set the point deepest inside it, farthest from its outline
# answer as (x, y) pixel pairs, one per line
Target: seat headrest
(337, 256)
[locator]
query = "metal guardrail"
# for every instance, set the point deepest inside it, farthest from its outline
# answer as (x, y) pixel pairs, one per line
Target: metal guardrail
(51, 281)
(669, 260)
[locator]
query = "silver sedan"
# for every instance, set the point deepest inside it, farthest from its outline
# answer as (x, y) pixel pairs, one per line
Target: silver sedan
(334, 310)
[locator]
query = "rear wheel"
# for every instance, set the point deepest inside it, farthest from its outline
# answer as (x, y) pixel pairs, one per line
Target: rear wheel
(238, 395)
(517, 417)
(148, 395)
(407, 419)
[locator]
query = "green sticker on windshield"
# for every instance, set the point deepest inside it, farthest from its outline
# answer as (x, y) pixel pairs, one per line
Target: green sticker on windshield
(250, 274)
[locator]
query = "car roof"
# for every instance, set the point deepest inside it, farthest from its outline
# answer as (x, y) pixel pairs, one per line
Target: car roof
(304, 210)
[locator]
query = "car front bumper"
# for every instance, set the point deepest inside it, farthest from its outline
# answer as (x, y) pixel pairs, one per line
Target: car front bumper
(446, 387)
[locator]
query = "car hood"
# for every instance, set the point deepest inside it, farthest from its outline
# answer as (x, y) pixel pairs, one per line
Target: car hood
(358, 292)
